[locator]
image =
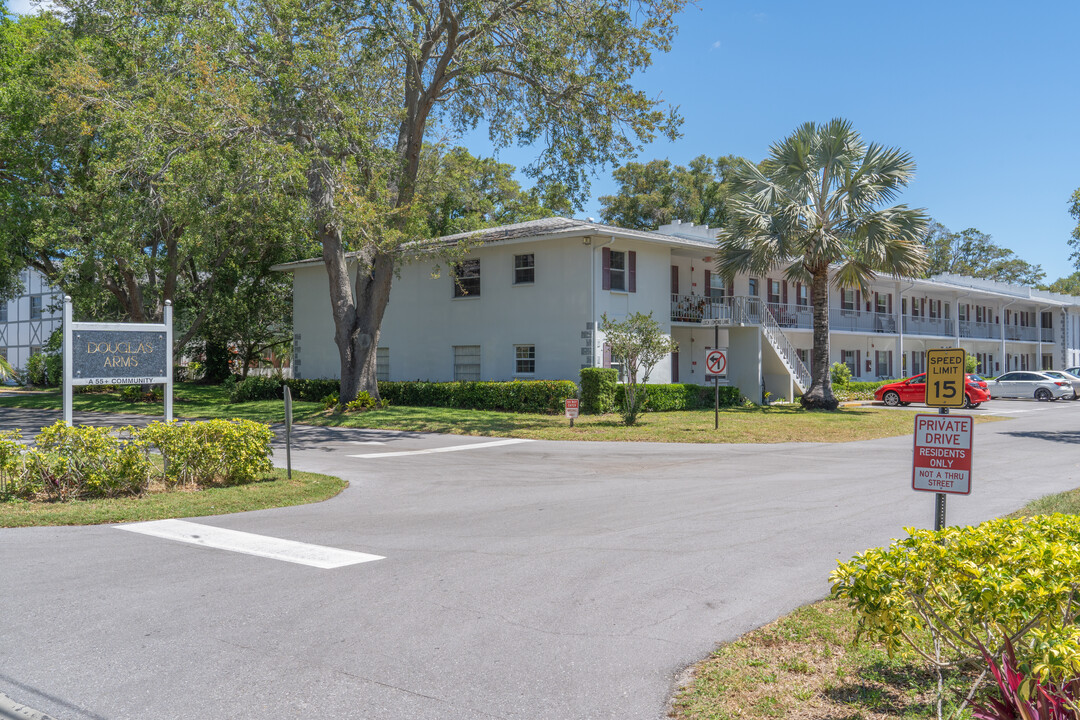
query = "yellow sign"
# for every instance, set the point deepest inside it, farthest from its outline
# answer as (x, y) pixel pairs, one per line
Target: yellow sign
(945, 377)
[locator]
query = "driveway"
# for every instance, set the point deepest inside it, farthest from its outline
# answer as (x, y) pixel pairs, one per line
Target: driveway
(526, 580)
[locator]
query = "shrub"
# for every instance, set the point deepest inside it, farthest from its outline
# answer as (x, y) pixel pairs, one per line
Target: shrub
(10, 452)
(1021, 696)
(256, 387)
(86, 462)
(532, 396)
(212, 452)
(364, 402)
(969, 588)
(330, 401)
(135, 393)
(35, 370)
(685, 396)
(314, 390)
(841, 375)
(599, 388)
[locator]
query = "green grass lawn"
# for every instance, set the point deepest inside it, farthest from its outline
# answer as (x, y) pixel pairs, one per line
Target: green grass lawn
(273, 491)
(775, 424)
(806, 665)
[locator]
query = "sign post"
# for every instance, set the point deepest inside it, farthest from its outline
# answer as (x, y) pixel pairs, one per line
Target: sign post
(117, 354)
(288, 432)
(716, 365)
(572, 407)
(944, 389)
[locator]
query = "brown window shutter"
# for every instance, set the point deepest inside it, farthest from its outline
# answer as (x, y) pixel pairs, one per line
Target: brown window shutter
(675, 366)
(858, 299)
(605, 264)
(708, 284)
(731, 288)
(889, 301)
(607, 354)
(890, 370)
(858, 362)
(785, 291)
(798, 292)
(632, 271)
(674, 279)
(768, 289)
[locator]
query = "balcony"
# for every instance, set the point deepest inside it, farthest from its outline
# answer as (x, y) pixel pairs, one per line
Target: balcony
(858, 321)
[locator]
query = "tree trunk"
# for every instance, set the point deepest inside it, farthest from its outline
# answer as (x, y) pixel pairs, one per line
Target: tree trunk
(357, 318)
(819, 396)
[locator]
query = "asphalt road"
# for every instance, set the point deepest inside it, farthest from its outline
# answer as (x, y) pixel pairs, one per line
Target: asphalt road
(538, 580)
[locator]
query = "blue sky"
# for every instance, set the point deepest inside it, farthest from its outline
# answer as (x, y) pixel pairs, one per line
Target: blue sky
(982, 94)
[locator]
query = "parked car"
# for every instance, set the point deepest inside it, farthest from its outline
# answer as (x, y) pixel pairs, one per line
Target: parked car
(1073, 371)
(1029, 384)
(905, 392)
(1067, 376)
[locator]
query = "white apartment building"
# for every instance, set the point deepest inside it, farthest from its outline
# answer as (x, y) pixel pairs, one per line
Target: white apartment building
(528, 300)
(27, 321)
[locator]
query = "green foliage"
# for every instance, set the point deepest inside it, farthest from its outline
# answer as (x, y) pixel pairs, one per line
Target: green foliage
(841, 374)
(971, 588)
(44, 369)
(598, 390)
(257, 387)
(212, 452)
(73, 463)
(365, 402)
(656, 193)
(971, 363)
(314, 390)
(531, 396)
(975, 254)
(1020, 695)
(684, 396)
(637, 343)
(135, 394)
(330, 401)
(1069, 285)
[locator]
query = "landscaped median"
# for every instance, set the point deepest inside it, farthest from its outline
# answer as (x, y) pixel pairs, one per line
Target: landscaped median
(930, 602)
(738, 424)
(87, 475)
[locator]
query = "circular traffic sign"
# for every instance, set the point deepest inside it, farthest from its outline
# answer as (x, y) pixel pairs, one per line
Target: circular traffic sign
(715, 362)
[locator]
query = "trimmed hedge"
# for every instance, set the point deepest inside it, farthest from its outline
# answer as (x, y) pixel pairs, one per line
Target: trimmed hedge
(529, 396)
(598, 388)
(683, 396)
(72, 463)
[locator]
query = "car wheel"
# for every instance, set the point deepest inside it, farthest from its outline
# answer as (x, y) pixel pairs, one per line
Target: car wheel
(972, 406)
(1042, 395)
(891, 398)
(968, 404)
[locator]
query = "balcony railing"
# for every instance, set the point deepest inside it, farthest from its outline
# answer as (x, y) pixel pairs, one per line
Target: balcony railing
(739, 310)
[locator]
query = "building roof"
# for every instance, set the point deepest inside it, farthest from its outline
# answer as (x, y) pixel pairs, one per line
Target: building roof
(548, 228)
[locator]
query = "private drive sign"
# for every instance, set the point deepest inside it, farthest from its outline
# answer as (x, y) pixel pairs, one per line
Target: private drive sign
(942, 454)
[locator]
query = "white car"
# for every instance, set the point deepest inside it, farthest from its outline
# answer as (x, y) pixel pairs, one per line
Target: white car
(1068, 377)
(1029, 384)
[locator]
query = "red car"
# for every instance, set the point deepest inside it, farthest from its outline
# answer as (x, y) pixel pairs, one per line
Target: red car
(905, 392)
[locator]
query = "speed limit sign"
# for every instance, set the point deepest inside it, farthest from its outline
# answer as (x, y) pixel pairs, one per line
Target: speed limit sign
(945, 377)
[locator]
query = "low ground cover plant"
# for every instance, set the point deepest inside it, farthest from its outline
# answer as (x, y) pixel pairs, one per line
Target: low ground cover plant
(81, 462)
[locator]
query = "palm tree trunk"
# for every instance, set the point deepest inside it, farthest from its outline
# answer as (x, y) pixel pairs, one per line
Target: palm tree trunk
(820, 395)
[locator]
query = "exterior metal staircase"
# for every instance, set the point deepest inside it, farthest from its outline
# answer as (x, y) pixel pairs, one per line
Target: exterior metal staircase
(752, 311)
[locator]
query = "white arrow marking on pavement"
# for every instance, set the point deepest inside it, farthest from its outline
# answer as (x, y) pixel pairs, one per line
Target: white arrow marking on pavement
(292, 551)
(452, 448)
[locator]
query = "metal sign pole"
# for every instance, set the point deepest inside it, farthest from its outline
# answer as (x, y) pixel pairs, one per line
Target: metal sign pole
(288, 432)
(168, 361)
(67, 352)
(939, 499)
(716, 382)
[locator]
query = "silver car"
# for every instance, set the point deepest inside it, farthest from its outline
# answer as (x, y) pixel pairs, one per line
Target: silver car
(1028, 384)
(1068, 377)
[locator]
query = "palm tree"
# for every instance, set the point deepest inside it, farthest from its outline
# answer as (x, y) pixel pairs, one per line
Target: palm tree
(6, 370)
(813, 204)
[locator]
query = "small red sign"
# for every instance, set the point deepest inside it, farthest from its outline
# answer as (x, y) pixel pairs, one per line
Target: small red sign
(572, 407)
(942, 454)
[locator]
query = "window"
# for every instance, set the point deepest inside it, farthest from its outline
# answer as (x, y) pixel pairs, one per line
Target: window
(881, 303)
(918, 362)
(847, 299)
(803, 355)
(524, 269)
(933, 308)
(774, 291)
(753, 287)
(35, 350)
(467, 362)
(883, 363)
(717, 287)
(35, 307)
(3, 312)
(382, 364)
(467, 278)
(802, 297)
(848, 358)
(618, 270)
(524, 359)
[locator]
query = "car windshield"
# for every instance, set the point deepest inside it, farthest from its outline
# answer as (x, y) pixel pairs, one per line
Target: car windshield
(976, 378)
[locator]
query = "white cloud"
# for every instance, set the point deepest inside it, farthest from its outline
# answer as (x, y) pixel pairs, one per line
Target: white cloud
(25, 7)
(717, 45)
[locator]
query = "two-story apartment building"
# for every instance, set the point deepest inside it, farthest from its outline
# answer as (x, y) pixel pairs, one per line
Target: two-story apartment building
(27, 321)
(528, 299)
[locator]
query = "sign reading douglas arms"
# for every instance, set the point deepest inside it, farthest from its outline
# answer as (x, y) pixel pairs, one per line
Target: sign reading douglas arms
(118, 357)
(117, 354)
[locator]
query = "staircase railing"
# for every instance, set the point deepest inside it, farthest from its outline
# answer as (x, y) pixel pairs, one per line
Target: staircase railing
(752, 311)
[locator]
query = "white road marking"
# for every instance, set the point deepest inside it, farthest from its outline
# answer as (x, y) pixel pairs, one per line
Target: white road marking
(452, 448)
(366, 442)
(318, 556)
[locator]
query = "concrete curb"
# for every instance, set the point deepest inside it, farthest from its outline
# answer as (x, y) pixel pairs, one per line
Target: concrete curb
(11, 710)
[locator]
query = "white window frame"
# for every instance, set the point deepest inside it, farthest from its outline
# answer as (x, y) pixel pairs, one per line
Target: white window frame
(524, 356)
(38, 312)
(528, 269)
(469, 271)
(618, 274)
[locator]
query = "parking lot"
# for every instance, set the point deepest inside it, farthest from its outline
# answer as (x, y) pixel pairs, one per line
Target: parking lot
(525, 580)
